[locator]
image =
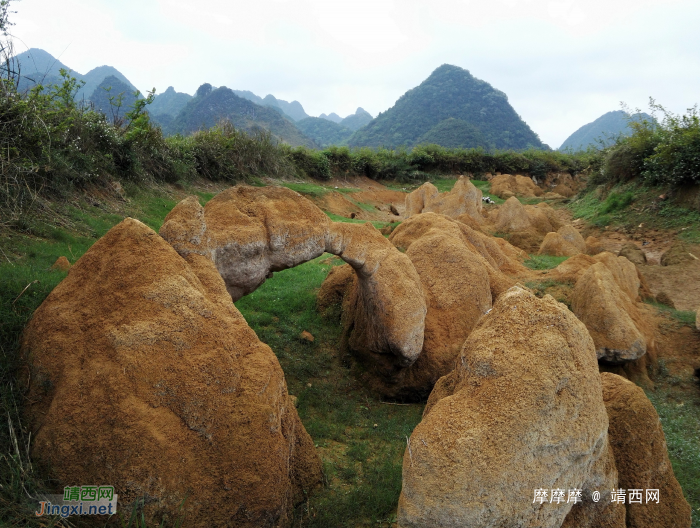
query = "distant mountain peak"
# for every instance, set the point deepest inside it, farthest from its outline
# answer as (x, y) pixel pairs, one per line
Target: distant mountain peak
(481, 113)
(603, 130)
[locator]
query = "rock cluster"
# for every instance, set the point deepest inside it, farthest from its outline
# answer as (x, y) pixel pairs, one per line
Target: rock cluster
(461, 271)
(523, 410)
(464, 198)
(144, 375)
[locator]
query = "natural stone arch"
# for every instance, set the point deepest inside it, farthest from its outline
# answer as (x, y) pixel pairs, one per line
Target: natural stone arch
(251, 232)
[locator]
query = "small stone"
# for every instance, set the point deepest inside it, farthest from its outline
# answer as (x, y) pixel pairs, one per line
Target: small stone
(294, 400)
(61, 263)
(306, 336)
(375, 426)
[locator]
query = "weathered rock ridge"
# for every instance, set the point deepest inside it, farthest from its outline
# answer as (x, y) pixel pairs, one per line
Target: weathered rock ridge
(250, 232)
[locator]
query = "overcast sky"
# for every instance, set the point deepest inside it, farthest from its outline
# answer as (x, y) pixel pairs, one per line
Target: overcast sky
(562, 63)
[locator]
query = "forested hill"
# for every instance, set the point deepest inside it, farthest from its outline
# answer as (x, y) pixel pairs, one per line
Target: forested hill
(210, 106)
(450, 92)
(602, 131)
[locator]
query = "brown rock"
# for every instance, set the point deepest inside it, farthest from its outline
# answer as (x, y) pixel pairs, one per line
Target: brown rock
(663, 298)
(306, 336)
(522, 410)
(610, 315)
(633, 253)
(593, 246)
(512, 217)
(641, 456)
(697, 319)
(418, 199)
(571, 235)
(335, 286)
(61, 264)
(250, 232)
(146, 376)
(517, 185)
(464, 198)
(555, 245)
(564, 190)
(454, 263)
(676, 254)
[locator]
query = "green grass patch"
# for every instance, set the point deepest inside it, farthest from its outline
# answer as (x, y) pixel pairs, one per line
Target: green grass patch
(362, 462)
(680, 419)
(485, 187)
(686, 317)
(543, 262)
(444, 184)
(375, 223)
(312, 189)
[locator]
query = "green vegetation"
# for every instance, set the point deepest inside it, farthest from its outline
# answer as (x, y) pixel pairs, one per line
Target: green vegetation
(543, 262)
(210, 106)
(686, 317)
(362, 461)
(659, 151)
(681, 424)
(323, 131)
(603, 131)
(449, 92)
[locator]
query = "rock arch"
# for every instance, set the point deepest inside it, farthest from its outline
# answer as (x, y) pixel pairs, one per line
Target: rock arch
(251, 232)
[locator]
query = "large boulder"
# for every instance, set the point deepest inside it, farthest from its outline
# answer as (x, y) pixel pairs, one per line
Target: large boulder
(506, 185)
(571, 235)
(418, 199)
(251, 232)
(145, 376)
(678, 253)
(605, 304)
(512, 217)
(523, 410)
(554, 244)
(641, 456)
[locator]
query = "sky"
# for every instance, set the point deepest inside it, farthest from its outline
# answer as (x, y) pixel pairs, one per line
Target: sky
(562, 63)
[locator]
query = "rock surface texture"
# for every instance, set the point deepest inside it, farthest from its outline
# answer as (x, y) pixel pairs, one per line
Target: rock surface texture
(251, 232)
(144, 375)
(464, 198)
(641, 456)
(633, 253)
(522, 410)
(604, 299)
(508, 185)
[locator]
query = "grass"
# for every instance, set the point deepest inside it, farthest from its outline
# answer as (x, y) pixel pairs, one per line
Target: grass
(543, 262)
(312, 189)
(686, 317)
(681, 424)
(632, 204)
(360, 439)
